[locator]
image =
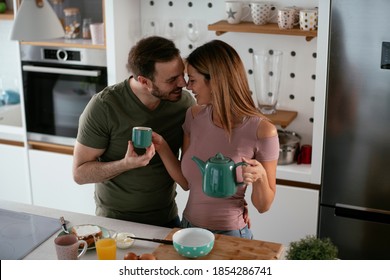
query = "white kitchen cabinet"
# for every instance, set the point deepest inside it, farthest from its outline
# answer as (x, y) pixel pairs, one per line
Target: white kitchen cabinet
(53, 186)
(293, 214)
(14, 181)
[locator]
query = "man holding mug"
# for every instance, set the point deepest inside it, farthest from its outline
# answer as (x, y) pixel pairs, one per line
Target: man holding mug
(132, 183)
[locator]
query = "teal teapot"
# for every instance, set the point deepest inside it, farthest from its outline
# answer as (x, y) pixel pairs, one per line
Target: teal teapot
(219, 176)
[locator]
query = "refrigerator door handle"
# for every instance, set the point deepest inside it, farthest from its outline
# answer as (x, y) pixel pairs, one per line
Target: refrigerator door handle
(361, 213)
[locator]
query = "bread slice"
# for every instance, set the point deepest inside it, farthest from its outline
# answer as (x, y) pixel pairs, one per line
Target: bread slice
(87, 233)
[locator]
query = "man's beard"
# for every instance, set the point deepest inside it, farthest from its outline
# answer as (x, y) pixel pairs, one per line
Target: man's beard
(156, 92)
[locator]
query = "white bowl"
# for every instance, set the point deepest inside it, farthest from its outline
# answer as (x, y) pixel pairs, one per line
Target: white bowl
(193, 242)
(123, 240)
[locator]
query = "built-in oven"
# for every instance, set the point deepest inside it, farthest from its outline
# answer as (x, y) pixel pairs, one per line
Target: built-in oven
(58, 83)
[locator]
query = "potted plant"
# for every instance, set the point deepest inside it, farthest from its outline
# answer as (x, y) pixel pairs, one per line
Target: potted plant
(312, 248)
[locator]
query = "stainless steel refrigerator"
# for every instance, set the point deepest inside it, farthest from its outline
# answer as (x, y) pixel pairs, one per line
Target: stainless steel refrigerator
(355, 189)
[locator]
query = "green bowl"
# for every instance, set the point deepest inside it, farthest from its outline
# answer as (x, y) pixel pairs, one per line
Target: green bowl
(193, 242)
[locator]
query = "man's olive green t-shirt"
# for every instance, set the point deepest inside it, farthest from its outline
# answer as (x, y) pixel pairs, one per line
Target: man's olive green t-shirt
(145, 194)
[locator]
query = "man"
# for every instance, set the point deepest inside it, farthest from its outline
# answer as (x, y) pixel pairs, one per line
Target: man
(133, 184)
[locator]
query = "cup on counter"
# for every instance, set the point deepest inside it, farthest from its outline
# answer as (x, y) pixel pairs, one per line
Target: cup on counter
(10, 97)
(287, 18)
(304, 155)
(97, 33)
(308, 19)
(106, 248)
(261, 12)
(236, 11)
(67, 247)
(141, 137)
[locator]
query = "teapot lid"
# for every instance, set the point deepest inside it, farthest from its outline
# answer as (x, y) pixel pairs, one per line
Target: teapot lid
(219, 158)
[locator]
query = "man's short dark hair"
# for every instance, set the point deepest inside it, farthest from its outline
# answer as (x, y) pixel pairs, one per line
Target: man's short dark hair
(144, 55)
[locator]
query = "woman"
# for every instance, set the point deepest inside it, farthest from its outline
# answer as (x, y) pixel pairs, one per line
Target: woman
(225, 120)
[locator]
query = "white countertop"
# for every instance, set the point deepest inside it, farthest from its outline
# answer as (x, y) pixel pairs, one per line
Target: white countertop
(46, 251)
(11, 115)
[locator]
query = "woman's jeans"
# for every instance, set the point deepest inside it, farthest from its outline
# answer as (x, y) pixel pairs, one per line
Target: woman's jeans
(245, 232)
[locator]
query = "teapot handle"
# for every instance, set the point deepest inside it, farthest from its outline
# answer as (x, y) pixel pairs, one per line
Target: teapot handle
(235, 167)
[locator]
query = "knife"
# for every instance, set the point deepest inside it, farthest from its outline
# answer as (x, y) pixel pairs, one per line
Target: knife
(164, 241)
(63, 225)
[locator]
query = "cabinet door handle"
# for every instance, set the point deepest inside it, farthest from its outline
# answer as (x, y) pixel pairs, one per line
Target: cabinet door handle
(65, 71)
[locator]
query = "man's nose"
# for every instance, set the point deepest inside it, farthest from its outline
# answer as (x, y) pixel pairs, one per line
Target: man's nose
(182, 82)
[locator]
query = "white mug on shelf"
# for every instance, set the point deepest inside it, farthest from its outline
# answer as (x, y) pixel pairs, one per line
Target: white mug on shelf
(236, 11)
(296, 12)
(287, 18)
(261, 12)
(308, 19)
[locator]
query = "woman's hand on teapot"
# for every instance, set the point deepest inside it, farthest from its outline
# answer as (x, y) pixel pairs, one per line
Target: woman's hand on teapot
(252, 171)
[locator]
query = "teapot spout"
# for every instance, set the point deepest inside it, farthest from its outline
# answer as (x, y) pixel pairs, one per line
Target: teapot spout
(201, 164)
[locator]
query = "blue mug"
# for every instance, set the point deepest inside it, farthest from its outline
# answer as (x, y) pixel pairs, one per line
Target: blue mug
(10, 97)
(142, 137)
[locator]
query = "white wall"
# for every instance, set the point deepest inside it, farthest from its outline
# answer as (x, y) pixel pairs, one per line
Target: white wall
(9, 56)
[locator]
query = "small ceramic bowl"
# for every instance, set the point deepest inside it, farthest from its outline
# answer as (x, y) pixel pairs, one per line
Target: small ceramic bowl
(193, 242)
(123, 240)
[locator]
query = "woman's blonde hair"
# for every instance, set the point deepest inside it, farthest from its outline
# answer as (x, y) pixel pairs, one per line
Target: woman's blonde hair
(221, 65)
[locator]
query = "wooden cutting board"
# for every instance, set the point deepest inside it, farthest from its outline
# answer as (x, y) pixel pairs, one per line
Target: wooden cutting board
(227, 248)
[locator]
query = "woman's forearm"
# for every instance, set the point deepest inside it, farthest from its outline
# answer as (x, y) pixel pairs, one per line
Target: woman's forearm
(263, 179)
(172, 164)
(262, 194)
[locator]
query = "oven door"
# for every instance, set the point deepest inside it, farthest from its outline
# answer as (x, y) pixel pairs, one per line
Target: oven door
(55, 95)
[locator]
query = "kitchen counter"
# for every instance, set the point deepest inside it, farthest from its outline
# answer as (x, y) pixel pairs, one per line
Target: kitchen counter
(11, 115)
(46, 250)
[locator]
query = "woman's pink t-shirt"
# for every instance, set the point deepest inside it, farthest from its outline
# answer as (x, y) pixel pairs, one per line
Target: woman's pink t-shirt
(206, 140)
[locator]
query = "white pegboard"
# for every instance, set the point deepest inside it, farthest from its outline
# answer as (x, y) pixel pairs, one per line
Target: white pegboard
(298, 73)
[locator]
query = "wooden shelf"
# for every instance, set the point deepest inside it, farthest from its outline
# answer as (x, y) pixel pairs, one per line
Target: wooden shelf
(8, 15)
(223, 26)
(282, 117)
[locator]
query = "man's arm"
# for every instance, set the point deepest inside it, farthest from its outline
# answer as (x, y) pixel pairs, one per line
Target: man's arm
(87, 168)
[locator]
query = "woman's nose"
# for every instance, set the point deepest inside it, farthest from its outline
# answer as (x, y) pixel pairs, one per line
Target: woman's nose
(188, 84)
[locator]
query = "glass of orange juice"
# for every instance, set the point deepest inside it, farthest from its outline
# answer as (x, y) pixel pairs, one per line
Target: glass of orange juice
(106, 249)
